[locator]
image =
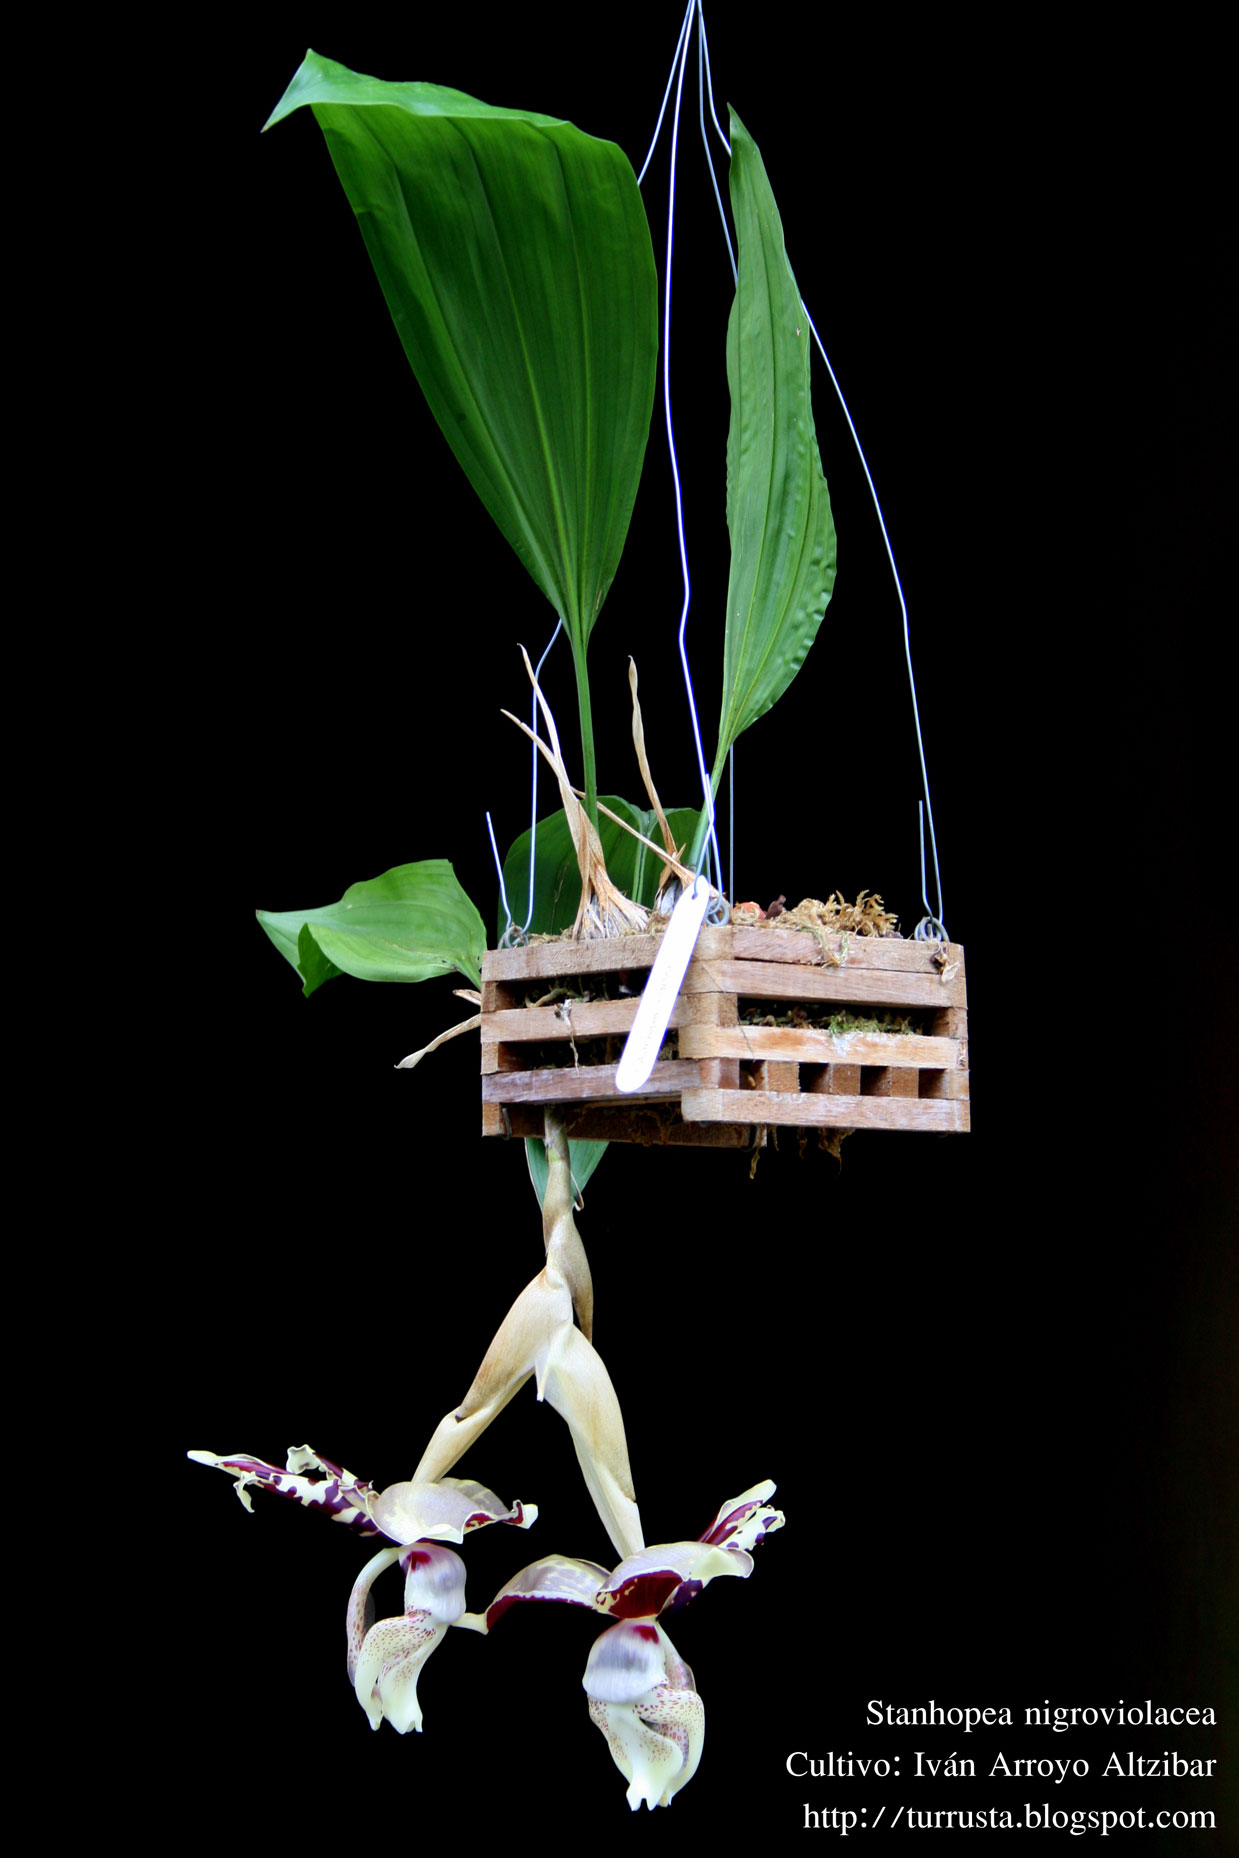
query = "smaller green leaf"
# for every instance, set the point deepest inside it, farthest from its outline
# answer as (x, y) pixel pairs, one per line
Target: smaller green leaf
(413, 922)
(557, 879)
(584, 1157)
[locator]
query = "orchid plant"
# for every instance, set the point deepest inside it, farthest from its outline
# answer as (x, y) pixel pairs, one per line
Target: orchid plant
(515, 257)
(642, 1695)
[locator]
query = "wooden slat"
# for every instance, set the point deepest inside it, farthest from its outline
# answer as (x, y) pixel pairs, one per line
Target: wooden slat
(549, 960)
(587, 1083)
(771, 1074)
(815, 1110)
(652, 1125)
(814, 1045)
(795, 948)
(803, 949)
(770, 981)
(587, 1019)
(716, 1013)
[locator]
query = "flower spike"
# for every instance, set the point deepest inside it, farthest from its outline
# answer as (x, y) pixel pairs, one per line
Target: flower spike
(537, 1339)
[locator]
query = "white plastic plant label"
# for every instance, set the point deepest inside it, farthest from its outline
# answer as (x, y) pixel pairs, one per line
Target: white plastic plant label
(649, 1028)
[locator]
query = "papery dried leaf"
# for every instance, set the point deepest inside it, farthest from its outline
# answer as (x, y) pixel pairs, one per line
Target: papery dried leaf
(638, 742)
(453, 1032)
(604, 909)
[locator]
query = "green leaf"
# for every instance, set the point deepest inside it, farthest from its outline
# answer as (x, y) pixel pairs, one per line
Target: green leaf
(778, 506)
(557, 878)
(584, 1157)
(515, 257)
(413, 922)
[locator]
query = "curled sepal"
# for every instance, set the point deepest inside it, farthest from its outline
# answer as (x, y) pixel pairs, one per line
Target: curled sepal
(646, 1584)
(444, 1510)
(555, 1577)
(642, 1697)
(746, 1520)
(384, 1659)
(336, 1492)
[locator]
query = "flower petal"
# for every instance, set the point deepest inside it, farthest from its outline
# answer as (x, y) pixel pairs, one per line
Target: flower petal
(744, 1521)
(338, 1493)
(442, 1511)
(555, 1577)
(667, 1575)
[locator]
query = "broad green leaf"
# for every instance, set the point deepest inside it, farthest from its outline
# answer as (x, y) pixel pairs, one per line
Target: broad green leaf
(584, 1157)
(515, 257)
(778, 506)
(413, 922)
(557, 878)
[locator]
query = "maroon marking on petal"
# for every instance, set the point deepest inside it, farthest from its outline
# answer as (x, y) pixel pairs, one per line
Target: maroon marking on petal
(726, 1526)
(643, 1596)
(686, 1591)
(647, 1632)
(498, 1608)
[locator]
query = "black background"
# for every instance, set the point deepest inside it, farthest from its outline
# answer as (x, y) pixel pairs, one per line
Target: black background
(992, 1375)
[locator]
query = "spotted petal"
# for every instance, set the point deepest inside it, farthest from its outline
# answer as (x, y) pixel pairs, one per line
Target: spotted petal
(388, 1669)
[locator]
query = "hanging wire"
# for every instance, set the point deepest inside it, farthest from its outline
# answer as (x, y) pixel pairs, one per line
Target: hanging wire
(513, 936)
(703, 84)
(932, 926)
(503, 940)
(936, 920)
(679, 47)
(929, 929)
(678, 70)
(533, 810)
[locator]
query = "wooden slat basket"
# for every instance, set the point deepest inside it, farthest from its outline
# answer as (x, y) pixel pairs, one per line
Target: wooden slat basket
(771, 1028)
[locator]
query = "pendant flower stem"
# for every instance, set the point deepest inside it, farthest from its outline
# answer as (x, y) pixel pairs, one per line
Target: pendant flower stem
(537, 1338)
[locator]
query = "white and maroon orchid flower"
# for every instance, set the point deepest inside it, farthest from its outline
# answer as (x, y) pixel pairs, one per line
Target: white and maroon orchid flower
(641, 1692)
(385, 1658)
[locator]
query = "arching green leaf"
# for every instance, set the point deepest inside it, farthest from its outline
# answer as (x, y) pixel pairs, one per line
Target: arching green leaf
(515, 257)
(778, 506)
(413, 922)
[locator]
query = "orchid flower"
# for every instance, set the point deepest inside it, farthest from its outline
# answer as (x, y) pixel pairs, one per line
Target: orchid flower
(538, 1338)
(384, 1659)
(641, 1693)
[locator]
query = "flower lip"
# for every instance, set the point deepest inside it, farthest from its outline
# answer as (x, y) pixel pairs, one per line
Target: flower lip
(625, 1664)
(434, 1582)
